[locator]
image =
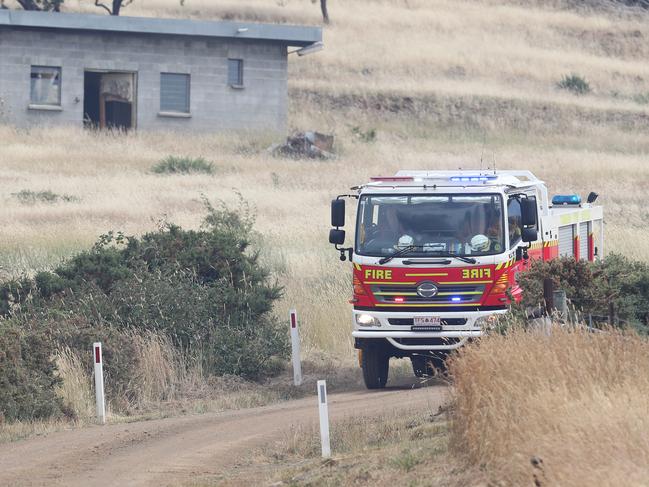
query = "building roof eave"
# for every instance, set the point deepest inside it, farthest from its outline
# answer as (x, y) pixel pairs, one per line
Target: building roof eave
(291, 35)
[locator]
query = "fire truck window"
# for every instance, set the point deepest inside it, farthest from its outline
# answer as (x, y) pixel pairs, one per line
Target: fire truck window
(462, 225)
(514, 222)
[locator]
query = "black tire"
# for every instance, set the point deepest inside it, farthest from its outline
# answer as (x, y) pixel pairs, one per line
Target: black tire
(375, 365)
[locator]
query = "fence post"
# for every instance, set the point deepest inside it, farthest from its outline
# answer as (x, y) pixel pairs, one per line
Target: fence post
(324, 418)
(295, 349)
(99, 382)
(611, 313)
(548, 295)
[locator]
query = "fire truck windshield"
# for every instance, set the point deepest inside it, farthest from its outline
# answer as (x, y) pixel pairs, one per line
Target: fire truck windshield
(431, 224)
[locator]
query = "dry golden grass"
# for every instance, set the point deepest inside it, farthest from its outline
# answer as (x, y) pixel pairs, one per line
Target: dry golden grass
(111, 176)
(19, 430)
(573, 402)
(479, 47)
(163, 371)
(169, 384)
(405, 448)
(76, 387)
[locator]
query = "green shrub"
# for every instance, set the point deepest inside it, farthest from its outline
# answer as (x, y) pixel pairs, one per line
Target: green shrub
(27, 375)
(641, 98)
(204, 289)
(575, 84)
(364, 135)
(29, 197)
(591, 287)
(183, 165)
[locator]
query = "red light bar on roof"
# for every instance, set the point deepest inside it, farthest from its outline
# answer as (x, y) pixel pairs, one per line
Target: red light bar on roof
(393, 178)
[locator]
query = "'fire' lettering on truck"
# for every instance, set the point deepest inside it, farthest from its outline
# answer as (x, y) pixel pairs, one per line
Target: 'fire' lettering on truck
(378, 274)
(480, 273)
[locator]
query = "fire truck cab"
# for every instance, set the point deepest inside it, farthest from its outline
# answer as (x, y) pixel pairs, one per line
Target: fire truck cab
(436, 255)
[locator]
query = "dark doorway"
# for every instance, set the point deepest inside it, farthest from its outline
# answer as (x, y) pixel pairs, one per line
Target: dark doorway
(109, 100)
(118, 114)
(91, 82)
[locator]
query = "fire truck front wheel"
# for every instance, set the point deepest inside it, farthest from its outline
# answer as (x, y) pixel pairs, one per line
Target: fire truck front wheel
(375, 364)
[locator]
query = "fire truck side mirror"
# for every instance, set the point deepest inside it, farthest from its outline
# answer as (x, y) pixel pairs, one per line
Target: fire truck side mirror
(336, 237)
(338, 213)
(529, 235)
(528, 211)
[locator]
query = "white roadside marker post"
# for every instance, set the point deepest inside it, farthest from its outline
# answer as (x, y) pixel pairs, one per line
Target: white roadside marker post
(324, 418)
(295, 349)
(99, 382)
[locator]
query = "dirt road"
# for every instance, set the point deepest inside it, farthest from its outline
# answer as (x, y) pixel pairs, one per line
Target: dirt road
(179, 450)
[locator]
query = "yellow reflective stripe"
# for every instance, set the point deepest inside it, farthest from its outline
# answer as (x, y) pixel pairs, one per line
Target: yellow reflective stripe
(427, 275)
(396, 294)
(358, 267)
(464, 282)
(413, 282)
(463, 293)
(499, 266)
(390, 283)
(430, 305)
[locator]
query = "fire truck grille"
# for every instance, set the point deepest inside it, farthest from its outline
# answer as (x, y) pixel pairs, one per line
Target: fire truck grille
(450, 294)
(444, 321)
(427, 341)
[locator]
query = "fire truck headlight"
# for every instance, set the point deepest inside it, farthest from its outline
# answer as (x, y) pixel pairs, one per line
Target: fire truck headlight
(486, 322)
(367, 320)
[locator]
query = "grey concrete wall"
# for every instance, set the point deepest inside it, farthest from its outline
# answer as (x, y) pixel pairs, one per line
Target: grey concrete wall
(260, 106)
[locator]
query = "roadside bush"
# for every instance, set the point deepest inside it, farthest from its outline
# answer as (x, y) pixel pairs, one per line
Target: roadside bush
(27, 375)
(29, 197)
(202, 289)
(591, 287)
(575, 84)
(183, 165)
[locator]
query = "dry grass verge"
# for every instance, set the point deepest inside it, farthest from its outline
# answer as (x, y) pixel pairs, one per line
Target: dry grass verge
(405, 448)
(569, 408)
(171, 384)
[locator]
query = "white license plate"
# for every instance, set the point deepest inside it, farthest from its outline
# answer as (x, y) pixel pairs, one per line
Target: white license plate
(427, 321)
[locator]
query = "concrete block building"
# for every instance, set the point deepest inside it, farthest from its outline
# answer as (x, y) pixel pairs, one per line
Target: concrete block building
(146, 73)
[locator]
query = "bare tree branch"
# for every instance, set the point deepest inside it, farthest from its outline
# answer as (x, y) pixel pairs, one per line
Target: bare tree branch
(97, 4)
(325, 12)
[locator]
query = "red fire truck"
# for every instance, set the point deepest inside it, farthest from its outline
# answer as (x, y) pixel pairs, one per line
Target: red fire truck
(436, 255)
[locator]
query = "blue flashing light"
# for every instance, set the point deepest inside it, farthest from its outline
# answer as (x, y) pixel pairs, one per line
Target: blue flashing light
(566, 199)
(473, 179)
(456, 299)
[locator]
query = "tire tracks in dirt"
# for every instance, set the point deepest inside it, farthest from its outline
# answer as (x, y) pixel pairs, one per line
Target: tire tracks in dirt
(174, 451)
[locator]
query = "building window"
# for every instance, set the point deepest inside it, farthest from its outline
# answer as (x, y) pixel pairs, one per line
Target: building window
(45, 86)
(174, 93)
(235, 72)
